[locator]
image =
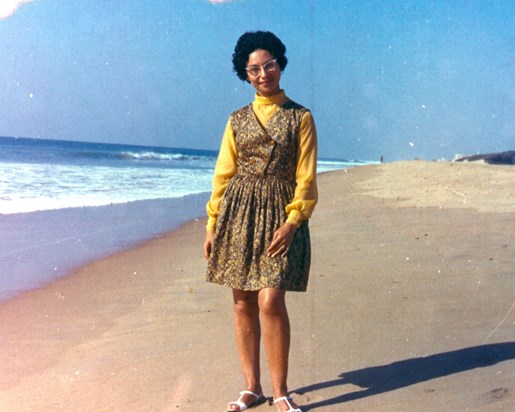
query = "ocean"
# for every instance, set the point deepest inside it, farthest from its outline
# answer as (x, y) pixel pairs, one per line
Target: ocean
(65, 203)
(37, 174)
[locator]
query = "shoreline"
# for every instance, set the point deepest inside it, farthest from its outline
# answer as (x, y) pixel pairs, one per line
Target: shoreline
(410, 303)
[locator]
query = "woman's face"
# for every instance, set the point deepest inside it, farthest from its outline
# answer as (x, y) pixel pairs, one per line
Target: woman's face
(263, 73)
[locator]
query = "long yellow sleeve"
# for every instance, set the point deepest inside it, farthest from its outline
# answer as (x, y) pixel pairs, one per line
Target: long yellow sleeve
(225, 169)
(306, 192)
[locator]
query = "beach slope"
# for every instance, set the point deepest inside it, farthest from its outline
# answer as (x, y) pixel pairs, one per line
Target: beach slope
(410, 307)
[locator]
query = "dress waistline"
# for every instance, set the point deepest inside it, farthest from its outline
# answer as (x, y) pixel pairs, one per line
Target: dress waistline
(269, 177)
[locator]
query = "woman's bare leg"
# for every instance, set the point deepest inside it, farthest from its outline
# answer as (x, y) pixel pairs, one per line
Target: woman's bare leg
(248, 336)
(276, 337)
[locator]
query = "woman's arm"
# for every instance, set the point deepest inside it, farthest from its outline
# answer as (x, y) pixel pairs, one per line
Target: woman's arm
(225, 169)
(306, 192)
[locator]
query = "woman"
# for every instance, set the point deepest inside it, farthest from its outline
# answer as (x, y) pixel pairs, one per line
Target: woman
(257, 237)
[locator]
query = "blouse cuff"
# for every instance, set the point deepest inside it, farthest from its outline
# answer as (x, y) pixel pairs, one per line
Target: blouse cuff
(294, 217)
(211, 223)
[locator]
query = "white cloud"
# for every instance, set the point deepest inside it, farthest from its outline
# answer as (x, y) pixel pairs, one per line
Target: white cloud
(219, 1)
(9, 7)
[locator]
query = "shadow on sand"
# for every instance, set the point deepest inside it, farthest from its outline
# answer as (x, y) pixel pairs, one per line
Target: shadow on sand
(385, 378)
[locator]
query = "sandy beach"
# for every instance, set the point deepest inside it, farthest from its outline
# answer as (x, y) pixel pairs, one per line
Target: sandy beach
(410, 307)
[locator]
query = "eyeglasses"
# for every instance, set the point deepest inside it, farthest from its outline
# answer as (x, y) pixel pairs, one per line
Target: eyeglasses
(268, 67)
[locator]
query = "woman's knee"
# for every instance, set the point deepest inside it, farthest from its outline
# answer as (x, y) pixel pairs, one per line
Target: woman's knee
(272, 302)
(245, 302)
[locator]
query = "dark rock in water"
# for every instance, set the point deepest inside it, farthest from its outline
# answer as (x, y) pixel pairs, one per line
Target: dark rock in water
(502, 158)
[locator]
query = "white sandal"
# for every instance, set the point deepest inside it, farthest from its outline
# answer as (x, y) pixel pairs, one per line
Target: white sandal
(287, 399)
(243, 407)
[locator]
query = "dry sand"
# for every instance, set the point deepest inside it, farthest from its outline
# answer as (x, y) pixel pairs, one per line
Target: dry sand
(411, 307)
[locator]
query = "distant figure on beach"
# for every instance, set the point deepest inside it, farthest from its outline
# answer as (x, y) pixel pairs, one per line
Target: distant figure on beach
(257, 236)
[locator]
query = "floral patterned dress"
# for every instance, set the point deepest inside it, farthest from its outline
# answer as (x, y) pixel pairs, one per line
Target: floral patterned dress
(254, 204)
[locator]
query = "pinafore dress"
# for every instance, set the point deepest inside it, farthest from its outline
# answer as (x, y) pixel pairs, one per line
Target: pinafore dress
(254, 204)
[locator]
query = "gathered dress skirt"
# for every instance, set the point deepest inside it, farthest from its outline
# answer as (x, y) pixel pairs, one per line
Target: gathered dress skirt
(252, 209)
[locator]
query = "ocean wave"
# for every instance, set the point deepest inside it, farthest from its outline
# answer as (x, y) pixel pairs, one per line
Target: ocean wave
(140, 157)
(326, 165)
(32, 187)
(24, 150)
(162, 157)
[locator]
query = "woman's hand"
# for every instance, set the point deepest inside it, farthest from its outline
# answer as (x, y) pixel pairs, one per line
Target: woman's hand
(282, 240)
(208, 242)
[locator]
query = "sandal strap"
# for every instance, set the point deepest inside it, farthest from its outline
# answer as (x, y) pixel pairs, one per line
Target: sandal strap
(287, 399)
(255, 395)
(239, 403)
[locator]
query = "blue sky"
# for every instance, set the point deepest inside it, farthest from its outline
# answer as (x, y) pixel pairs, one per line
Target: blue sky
(400, 78)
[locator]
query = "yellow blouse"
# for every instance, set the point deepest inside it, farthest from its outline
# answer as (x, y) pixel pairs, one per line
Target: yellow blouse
(306, 193)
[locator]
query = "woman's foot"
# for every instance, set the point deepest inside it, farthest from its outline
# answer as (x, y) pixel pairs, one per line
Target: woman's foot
(246, 400)
(285, 404)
